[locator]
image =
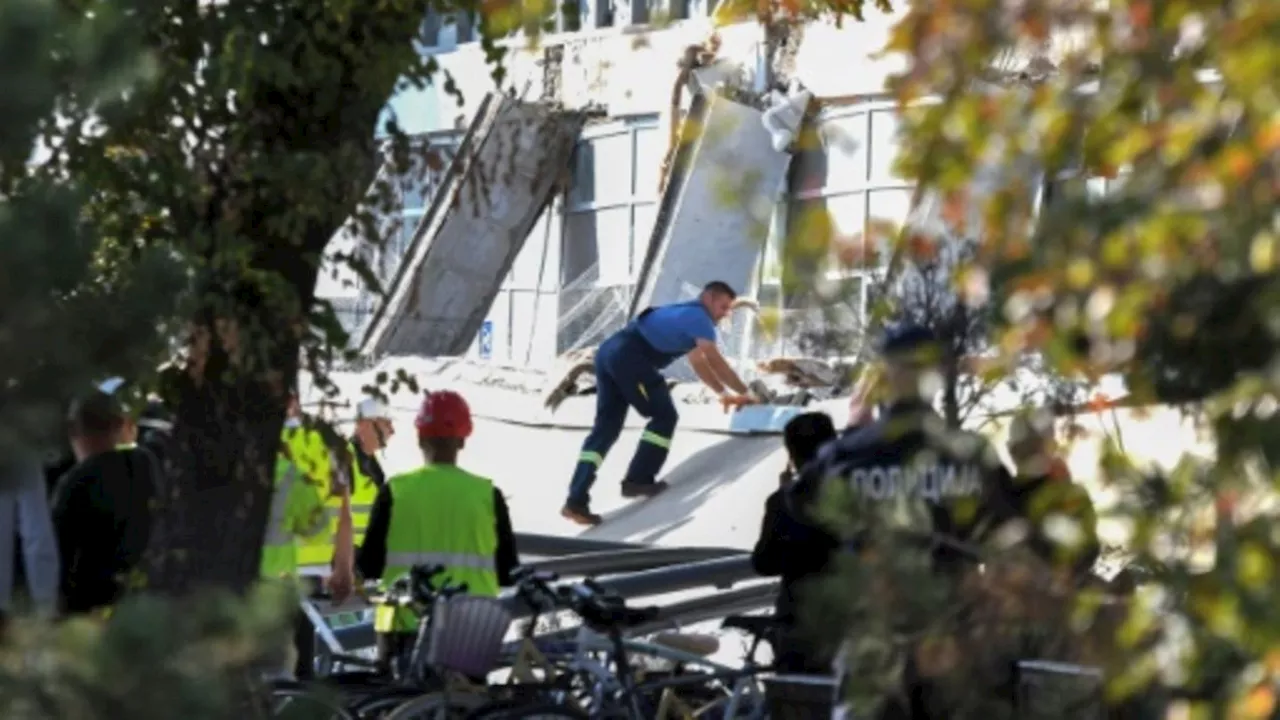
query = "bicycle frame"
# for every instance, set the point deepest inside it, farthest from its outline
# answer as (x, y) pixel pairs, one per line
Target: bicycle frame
(619, 652)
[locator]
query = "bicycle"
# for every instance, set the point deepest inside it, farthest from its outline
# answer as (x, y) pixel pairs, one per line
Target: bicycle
(618, 692)
(372, 692)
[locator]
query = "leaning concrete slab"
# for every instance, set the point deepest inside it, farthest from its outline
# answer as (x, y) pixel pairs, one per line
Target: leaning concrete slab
(498, 183)
(724, 198)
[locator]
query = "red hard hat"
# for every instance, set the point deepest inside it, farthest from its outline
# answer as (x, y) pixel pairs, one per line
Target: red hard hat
(444, 414)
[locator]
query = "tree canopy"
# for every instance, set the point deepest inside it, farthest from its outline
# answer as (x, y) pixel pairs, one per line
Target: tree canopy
(172, 171)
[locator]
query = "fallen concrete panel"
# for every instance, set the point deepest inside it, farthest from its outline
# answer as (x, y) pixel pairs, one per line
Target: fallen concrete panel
(724, 200)
(500, 180)
(718, 482)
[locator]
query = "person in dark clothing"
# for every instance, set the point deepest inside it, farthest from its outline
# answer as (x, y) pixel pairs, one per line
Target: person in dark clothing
(910, 477)
(1040, 490)
(373, 430)
(628, 366)
(101, 508)
(437, 515)
(155, 431)
(789, 549)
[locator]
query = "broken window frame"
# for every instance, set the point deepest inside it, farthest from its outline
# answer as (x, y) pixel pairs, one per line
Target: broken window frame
(580, 280)
(634, 198)
(871, 180)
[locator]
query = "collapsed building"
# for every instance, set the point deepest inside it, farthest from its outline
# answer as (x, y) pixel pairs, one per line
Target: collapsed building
(645, 161)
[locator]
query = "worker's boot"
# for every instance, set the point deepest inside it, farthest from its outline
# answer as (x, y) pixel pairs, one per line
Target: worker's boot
(641, 489)
(580, 514)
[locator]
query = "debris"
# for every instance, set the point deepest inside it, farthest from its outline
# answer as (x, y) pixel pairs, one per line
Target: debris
(569, 367)
(806, 372)
(784, 117)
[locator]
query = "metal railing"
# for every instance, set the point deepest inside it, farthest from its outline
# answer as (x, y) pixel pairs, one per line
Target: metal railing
(625, 561)
(682, 572)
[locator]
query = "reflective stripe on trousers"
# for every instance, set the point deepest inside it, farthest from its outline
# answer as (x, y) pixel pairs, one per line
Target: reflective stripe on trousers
(277, 532)
(449, 560)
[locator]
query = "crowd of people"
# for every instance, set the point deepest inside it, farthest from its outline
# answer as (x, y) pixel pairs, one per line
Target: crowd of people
(73, 531)
(76, 537)
(937, 488)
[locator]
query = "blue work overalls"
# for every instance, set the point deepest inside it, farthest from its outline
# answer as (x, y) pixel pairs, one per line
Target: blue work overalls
(628, 374)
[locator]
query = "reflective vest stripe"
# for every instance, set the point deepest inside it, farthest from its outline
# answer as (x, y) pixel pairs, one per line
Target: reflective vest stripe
(277, 529)
(449, 560)
(333, 513)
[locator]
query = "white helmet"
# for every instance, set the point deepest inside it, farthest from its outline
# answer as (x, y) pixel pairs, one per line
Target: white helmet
(371, 409)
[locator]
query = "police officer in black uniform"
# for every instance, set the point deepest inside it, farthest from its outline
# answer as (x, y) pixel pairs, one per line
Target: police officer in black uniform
(909, 475)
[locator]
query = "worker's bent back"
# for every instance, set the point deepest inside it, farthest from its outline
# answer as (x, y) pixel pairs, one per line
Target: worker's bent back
(441, 515)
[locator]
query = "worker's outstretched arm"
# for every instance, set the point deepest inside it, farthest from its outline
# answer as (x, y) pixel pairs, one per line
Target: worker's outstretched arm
(717, 366)
(342, 579)
(704, 372)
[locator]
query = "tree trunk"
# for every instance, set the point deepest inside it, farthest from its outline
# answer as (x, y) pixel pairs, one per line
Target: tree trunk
(293, 165)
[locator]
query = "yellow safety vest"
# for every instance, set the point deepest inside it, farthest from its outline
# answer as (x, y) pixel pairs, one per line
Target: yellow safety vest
(297, 510)
(440, 515)
(318, 550)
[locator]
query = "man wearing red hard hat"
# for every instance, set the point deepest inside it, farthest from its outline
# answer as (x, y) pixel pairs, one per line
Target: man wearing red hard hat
(438, 514)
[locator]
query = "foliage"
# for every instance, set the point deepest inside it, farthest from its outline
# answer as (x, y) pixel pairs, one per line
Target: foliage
(67, 322)
(152, 659)
(1163, 279)
(245, 146)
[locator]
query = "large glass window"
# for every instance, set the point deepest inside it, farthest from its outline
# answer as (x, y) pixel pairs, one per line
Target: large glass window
(842, 183)
(609, 217)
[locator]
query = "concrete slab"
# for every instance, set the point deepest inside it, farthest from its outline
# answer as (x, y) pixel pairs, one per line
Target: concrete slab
(720, 219)
(497, 185)
(719, 483)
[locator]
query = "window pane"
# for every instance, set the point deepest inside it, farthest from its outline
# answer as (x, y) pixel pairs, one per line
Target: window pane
(845, 142)
(650, 150)
(533, 328)
(578, 250)
(552, 234)
(602, 170)
(884, 145)
(848, 213)
(421, 179)
(606, 235)
(808, 171)
(817, 230)
(888, 211)
(535, 258)
(642, 234)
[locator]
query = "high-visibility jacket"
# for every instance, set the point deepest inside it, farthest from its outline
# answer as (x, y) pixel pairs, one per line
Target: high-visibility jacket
(440, 515)
(318, 550)
(306, 448)
(297, 510)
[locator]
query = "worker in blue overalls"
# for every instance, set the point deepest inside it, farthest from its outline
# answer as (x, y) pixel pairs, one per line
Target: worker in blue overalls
(628, 373)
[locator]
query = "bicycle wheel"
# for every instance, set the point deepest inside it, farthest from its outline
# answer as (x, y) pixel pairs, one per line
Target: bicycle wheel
(511, 710)
(295, 701)
(436, 706)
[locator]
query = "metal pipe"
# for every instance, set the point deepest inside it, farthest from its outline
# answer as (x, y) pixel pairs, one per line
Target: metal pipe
(555, 545)
(710, 607)
(696, 610)
(720, 573)
(624, 561)
(674, 616)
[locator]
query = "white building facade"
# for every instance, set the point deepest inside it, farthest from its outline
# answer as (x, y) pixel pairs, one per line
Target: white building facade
(572, 281)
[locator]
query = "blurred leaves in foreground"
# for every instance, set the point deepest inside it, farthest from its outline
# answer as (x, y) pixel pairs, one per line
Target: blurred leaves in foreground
(1122, 179)
(154, 659)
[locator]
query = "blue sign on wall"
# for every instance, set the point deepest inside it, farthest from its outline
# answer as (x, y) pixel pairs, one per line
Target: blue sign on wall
(486, 340)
